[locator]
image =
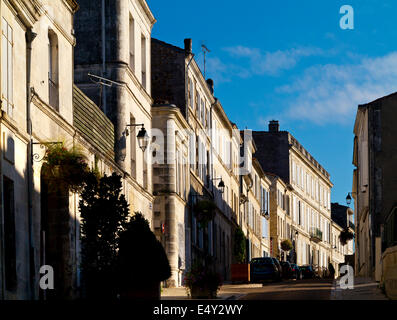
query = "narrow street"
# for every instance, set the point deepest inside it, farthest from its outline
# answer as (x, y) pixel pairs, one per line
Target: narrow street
(310, 289)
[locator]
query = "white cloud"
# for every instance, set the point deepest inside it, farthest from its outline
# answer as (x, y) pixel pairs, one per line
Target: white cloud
(271, 63)
(331, 93)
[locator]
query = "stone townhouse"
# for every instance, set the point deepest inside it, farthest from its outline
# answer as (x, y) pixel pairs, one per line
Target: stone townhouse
(280, 217)
(177, 79)
(344, 218)
(36, 102)
(338, 250)
(40, 104)
(280, 153)
(225, 160)
(171, 186)
(254, 195)
(374, 192)
(112, 67)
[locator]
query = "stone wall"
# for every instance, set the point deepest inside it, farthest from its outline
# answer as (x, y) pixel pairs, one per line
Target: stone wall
(389, 277)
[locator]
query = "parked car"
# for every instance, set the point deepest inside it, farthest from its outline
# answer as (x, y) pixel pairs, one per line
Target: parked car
(262, 269)
(296, 272)
(287, 269)
(307, 271)
(280, 269)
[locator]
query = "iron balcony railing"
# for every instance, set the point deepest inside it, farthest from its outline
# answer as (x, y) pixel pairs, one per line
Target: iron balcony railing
(316, 234)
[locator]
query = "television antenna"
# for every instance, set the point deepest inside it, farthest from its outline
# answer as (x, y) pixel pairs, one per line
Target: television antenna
(205, 51)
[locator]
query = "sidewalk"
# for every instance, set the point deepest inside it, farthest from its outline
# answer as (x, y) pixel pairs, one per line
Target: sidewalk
(227, 292)
(364, 289)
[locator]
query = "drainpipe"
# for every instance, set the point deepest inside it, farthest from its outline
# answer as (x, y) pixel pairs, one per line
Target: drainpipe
(29, 37)
(212, 150)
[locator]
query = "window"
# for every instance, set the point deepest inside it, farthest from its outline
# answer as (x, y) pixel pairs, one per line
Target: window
(7, 68)
(53, 66)
(191, 93)
(132, 43)
(143, 57)
(9, 235)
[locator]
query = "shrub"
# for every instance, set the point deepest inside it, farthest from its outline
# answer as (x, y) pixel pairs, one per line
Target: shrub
(239, 247)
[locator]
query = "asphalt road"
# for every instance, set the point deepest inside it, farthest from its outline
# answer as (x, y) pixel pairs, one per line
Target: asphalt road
(308, 289)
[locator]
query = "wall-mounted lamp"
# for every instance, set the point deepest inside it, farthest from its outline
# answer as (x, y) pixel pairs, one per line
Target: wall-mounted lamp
(221, 184)
(143, 137)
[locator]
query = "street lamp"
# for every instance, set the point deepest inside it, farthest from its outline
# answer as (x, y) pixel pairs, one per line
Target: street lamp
(348, 199)
(221, 184)
(143, 137)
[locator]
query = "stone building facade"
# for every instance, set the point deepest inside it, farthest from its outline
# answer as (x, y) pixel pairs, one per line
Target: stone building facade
(374, 184)
(280, 217)
(120, 52)
(309, 196)
(40, 104)
(254, 201)
(171, 181)
(213, 150)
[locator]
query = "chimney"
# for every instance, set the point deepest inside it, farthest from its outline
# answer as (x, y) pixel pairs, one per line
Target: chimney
(210, 84)
(188, 46)
(274, 126)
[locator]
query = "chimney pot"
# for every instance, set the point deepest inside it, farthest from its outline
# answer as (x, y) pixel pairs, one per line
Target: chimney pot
(188, 45)
(210, 84)
(274, 126)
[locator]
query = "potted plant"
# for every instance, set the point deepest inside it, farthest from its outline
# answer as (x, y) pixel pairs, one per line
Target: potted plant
(65, 167)
(202, 282)
(204, 212)
(240, 270)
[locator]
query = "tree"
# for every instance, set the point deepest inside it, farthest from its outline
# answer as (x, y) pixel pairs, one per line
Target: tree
(104, 213)
(239, 249)
(142, 261)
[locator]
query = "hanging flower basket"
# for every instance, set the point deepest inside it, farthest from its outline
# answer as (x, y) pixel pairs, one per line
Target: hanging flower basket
(286, 245)
(345, 236)
(204, 211)
(64, 167)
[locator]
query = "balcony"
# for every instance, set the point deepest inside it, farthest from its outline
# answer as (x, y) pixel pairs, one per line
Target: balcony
(316, 235)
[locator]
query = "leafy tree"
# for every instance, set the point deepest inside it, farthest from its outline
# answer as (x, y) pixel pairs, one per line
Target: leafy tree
(104, 213)
(239, 248)
(143, 263)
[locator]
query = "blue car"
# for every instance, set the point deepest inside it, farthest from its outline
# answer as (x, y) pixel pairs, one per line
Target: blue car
(262, 269)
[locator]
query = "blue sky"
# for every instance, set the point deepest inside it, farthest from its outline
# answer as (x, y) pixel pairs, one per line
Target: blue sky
(289, 60)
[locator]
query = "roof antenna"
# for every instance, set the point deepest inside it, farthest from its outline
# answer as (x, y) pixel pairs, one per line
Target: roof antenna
(205, 51)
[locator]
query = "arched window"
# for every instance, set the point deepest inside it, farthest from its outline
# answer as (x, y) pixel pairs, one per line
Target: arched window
(53, 70)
